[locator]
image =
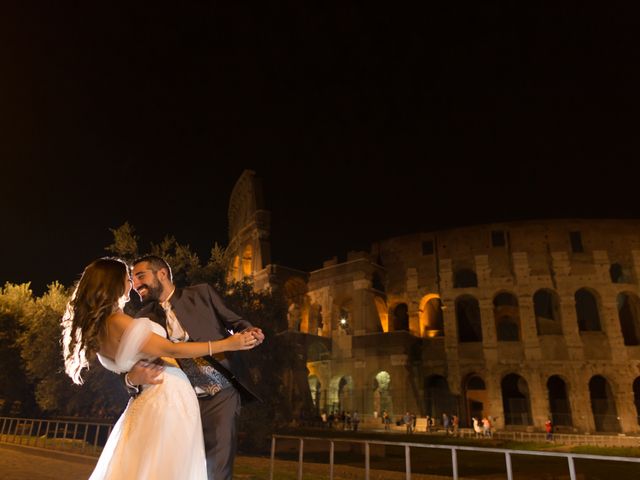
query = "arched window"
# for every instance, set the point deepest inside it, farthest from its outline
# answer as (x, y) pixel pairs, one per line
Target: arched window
(438, 398)
(587, 311)
(315, 388)
(547, 310)
(340, 394)
(558, 401)
(401, 317)
(344, 320)
(603, 405)
(476, 398)
(434, 318)
(382, 392)
(507, 317)
(515, 400)
(629, 316)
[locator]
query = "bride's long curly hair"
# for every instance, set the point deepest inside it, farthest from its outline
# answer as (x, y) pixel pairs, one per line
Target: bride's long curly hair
(99, 293)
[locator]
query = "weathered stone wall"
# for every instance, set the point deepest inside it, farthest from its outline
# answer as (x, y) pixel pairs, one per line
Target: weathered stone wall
(535, 256)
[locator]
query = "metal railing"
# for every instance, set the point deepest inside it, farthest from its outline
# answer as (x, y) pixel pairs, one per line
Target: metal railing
(88, 438)
(454, 449)
(81, 438)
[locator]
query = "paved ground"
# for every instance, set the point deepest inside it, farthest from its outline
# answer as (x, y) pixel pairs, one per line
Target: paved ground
(22, 463)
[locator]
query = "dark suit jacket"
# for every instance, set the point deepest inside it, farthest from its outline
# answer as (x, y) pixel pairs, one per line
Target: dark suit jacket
(203, 314)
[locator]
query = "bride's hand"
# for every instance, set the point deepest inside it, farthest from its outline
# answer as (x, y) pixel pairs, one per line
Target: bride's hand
(242, 341)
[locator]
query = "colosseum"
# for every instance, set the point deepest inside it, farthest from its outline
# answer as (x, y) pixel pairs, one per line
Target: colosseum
(520, 321)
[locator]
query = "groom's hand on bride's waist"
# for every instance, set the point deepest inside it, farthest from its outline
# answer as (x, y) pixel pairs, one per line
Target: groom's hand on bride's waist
(146, 373)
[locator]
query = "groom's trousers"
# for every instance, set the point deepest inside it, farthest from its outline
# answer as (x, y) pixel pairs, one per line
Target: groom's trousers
(219, 422)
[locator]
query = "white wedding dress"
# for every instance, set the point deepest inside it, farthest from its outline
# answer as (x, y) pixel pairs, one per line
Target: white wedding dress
(159, 435)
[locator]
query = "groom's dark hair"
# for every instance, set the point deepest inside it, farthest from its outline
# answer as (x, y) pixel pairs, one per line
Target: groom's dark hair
(156, 262)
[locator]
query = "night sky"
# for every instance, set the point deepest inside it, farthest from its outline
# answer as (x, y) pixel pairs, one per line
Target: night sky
(363, 121)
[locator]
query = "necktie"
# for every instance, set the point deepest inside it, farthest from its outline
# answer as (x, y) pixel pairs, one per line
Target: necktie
(205, 379)
(174, 329)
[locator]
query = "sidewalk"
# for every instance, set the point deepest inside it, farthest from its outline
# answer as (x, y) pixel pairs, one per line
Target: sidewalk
(24, 463)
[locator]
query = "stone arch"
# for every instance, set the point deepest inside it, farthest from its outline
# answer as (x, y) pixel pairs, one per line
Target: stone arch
(516, 402)
(475, 398)
(559, 405)
(546, 306)
(438, 399)
(587, 311)
(315, 388)
(345, 393)
(629, 317)
(465, 278)
(431, 318)
(603, 405)
(506, 314)
(340, 394)
(636, 397)
(247, 261)
(382, 398)
(401, 317)
(383, 312)
(468, 318)
(343, 317)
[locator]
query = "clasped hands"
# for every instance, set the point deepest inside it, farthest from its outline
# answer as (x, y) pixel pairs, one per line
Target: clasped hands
(254, 336)
(149, 373)
(246, 339)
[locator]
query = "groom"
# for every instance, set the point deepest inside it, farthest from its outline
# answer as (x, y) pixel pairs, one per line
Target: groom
(198, 313)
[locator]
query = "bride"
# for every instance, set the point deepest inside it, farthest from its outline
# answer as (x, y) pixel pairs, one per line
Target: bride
(159, 435)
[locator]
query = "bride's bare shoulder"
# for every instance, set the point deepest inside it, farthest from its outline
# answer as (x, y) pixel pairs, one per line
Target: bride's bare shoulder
(119, 321)
(116, 324)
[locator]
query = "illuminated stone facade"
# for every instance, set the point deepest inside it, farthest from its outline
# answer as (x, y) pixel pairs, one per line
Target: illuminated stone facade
(520, 321)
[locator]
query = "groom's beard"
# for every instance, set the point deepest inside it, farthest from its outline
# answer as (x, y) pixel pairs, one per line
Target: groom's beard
(154, 291)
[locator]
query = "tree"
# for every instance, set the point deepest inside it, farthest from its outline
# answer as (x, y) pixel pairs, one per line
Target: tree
(15, 388)
(42, 358)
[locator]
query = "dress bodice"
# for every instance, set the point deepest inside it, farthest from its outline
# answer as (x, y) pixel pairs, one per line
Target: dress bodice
(129, 349)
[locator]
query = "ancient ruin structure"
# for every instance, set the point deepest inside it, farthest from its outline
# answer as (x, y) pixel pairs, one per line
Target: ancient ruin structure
(520, 321)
